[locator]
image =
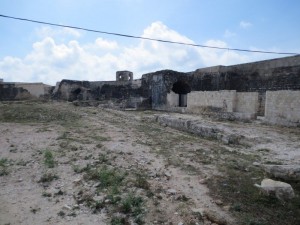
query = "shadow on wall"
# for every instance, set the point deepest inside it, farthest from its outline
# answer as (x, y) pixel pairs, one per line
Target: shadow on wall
(182, 89)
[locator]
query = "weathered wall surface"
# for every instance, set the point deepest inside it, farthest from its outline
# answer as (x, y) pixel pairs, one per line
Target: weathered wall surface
(222, 100)
(18, 91)
(283, 107)
(246, 102)
(156, 86)
(199, 128)
(126, 92)
(35, 89)
(8, 92)
(275, 74)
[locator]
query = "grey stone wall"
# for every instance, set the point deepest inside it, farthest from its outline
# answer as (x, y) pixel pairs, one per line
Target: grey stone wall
(9, 92)
(276, 74)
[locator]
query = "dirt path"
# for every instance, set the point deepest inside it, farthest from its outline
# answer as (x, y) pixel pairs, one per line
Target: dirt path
(71, 165)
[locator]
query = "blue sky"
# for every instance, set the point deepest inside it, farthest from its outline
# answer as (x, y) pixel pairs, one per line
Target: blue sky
(38, 53)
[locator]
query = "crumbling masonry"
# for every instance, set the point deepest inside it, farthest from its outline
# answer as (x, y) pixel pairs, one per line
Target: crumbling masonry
(270, 89)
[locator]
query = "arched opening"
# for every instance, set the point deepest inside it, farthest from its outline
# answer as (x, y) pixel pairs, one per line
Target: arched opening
(182, 89)
(77, 91)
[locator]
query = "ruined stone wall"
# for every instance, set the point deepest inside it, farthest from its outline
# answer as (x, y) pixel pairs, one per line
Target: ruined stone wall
(275, 74)
(270, 64)
(156, 86)
(283, 107)
(9, 92)
(219, 100)
(127, 93)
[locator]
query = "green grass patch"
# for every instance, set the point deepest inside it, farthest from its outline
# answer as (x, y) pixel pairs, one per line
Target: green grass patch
(3, 166)
(108, 177)
(117, 220)
(49, 159)
(133, 206)
(35, 112)
(248, 205)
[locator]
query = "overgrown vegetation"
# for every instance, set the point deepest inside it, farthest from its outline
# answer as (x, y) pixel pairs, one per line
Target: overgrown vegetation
(236, 185)
(3, 167)
(114, 184)
(247, 203)
(35, 112)
(108, 177)
(133, 205)
(49, 159)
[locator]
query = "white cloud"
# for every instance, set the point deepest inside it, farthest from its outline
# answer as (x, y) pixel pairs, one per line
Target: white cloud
(57, 32)
(52, 60)
(245, 24)
(213, 57)
(229, 34)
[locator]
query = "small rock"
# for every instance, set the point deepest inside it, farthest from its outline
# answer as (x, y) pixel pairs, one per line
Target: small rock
(77, 181)
(171, 191)
(256, 164)
(67, 207)
(207, 222)
(202, 181)
(168, 174)
(214, 217)
(97, 184)
(152, 174)
(98, 198)
(226, 207)
(76, 206)
(219, 202)
(198, 211)
(282, 191)
(284, 172)
(180, 223)
(159, 196)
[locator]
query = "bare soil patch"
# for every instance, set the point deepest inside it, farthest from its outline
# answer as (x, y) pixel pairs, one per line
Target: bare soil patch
(61, 164)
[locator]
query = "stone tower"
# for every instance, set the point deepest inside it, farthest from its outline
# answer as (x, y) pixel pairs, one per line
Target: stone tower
(124, 76)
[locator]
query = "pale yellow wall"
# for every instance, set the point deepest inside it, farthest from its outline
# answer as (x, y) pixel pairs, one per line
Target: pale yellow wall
(35, 89)
(246, 102)
(283, 107)
(172, 99)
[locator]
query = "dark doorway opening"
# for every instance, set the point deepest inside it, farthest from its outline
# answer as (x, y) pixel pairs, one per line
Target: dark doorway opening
(182, 89)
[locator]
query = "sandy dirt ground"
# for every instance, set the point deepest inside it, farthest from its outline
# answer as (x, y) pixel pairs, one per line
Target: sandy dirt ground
(165, 169)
